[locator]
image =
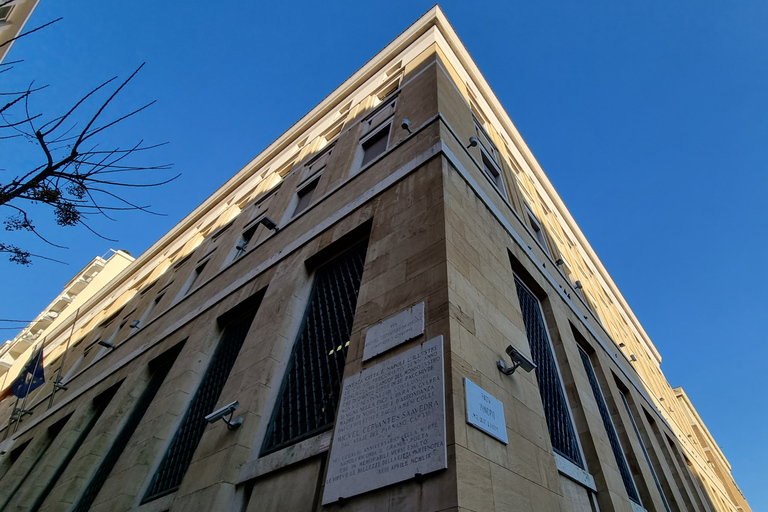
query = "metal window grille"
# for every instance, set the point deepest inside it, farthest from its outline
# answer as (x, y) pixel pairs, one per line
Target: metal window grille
(177, 459)
(310, 390)
(645, 452)
(105, 468)
(101, 402)
(53, 431)
(626, 476)
(556, 412)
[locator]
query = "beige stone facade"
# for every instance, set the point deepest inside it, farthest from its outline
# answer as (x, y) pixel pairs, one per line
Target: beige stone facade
(453, 211)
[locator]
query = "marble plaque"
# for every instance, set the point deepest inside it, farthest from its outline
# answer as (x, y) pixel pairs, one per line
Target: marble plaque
(391, 423)
(393, 331)
(485, 412)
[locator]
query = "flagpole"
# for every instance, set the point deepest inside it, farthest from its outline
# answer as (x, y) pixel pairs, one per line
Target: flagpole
(10, 419)
(57, 381)
(23, 411)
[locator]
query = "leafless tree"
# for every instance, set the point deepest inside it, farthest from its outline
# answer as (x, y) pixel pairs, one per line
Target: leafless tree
(74, 177)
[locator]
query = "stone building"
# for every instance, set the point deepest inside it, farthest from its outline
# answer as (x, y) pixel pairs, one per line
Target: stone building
(362, 290)
(13, 16)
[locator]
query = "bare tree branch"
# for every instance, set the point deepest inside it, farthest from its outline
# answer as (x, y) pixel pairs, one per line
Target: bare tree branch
(73, 180)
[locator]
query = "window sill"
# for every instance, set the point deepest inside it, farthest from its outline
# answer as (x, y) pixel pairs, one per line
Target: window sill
(574, 472)
(286, 457)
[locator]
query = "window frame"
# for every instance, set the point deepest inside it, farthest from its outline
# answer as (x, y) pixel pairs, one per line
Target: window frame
(538, 230)
(385, 125)
(494, 176)
(310, 182)
(519, 279)
(608, 420)
(193, 279)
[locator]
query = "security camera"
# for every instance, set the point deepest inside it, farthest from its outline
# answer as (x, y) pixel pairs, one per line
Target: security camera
(105, 344)
(472, 142)
(135, 324)
(406, 125)
(224, 411)
(269, 224)
(518, 359)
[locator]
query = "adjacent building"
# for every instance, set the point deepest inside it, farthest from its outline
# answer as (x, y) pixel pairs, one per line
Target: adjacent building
(13, 16)
(389, 308)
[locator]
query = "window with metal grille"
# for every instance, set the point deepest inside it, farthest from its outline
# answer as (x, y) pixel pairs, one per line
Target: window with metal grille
(556, 410)
(51, 434)
(162, 366)
(310, 392)
(177, 459)
(100, 403)
(618, 453)
(645, 452)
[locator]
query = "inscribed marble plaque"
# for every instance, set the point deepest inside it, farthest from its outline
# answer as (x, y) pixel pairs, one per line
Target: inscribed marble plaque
(485, 412)
(393, 331)
(391, 423)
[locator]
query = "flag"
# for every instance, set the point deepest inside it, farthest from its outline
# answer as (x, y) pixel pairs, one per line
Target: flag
(31, 376)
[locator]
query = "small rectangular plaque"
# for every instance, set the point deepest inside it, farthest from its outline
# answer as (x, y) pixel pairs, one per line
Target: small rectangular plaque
(391, 423)
(485, 412)
(393, 331)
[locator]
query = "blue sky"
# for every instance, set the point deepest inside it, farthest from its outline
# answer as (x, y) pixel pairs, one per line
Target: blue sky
(651, 120)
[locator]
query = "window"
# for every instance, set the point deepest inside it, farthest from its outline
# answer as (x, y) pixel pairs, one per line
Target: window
(306, 405)
(538, 231)
(305, 196)
(159, 368)
(245, 239)
(177, 459)
(645, 451)
(485, 140)
(50, 436)
(145, 317)
(375, 145)
(556, 409)
(493, 173)
(100, 403)
(5, 12)
(193, 278)
(613, 438)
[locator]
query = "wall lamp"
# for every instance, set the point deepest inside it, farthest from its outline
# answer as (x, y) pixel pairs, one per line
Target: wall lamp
(269, 224)
(518, 359)
(406, 126)
(105, 344)
(472, 142)
(224, 411)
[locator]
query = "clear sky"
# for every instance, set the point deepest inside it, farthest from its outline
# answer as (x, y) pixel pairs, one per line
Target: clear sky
(650, 118)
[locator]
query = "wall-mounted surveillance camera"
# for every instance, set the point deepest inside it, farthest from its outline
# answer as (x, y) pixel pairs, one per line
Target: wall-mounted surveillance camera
(518, 359)
(269, 223)
(105, 344)
(135, 324)
(406, 125)
(227, 410)
(472, 142)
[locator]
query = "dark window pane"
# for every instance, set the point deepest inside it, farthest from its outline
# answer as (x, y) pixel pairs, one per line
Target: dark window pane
(310, 392)
(179, 455)
(375, 146)
(550, 387)
(106, 466)
(618, 453)
(645, 452)
(305, 197)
